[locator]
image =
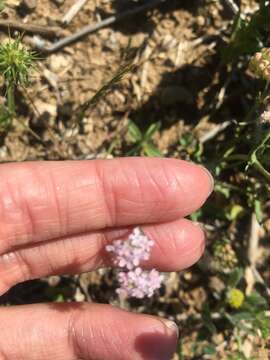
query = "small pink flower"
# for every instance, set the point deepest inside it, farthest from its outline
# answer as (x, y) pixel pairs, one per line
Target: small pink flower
(139, 283)
(127, 255)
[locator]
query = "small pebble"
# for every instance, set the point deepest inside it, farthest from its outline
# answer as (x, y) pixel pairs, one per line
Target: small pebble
(29, 5)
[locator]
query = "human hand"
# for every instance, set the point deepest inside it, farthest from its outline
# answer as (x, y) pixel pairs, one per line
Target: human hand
(57, 217)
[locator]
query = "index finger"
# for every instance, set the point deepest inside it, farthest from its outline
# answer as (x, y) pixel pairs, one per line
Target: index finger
(47, 200)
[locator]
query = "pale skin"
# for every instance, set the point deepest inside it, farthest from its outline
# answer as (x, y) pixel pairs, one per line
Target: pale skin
(57, 217)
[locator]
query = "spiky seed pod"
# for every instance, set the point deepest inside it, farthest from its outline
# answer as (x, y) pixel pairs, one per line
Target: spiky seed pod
(16, 62)
(260, 64)
(224, 256)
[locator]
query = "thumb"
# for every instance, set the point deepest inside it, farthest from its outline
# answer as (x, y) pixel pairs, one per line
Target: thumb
(83, 331)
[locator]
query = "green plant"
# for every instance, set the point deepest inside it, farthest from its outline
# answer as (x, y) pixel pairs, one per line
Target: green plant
(16, 63)
(192, 147)
(143, 141)
(238, 314)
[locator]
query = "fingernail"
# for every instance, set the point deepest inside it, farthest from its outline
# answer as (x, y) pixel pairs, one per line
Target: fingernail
(171, 326)
(212, 182)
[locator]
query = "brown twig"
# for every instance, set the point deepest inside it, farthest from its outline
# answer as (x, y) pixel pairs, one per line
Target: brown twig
(32, 29)
(232, 5)
(214, 132)
(99, 25)
(252, 274)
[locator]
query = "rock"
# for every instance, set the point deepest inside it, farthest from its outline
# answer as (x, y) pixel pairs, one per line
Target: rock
(28, 5)
(54, 280)
(12, 3)
(172, 95)
(46, 108)
(60, 63)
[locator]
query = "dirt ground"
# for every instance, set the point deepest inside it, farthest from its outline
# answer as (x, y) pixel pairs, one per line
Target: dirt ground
(177, 77)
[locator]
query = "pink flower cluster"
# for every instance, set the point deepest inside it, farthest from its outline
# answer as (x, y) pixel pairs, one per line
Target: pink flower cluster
(127, 255)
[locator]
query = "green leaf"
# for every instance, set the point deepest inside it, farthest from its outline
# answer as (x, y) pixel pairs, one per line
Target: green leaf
(263, 322)
(151, 130)
(247, 36)
(186, 139)
(59, 298)
(255, 300)
(150, 150)
(196, 215)
(258, 210)
(134, 132)
(235, 277)
(234, 212)
(243, 315)
(209, 349)
(207, 320)
(223, 190)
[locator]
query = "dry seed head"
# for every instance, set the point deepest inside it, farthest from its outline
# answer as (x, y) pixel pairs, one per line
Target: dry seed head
(260, 64)
(265, 117)
(224, 257)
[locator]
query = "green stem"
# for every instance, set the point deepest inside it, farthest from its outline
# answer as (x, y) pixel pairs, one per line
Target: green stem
(256, 162)
(262, 170)
(233, 157)
(11, 99)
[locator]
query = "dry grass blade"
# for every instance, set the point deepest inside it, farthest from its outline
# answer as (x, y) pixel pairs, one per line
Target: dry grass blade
(123, 70)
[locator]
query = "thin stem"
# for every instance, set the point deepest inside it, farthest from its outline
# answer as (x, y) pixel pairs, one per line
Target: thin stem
(243, 157)
(11, 99)
(256, 162)
(262, 170)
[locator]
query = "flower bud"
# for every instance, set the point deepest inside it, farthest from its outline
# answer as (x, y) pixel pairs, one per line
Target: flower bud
(235, 298)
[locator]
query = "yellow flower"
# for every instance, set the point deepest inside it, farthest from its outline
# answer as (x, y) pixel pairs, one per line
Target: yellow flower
(235, 298)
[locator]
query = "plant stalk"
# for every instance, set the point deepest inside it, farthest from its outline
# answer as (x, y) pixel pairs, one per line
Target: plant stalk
(11, 99)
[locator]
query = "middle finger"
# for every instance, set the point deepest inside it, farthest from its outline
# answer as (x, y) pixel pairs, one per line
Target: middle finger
(178, 245)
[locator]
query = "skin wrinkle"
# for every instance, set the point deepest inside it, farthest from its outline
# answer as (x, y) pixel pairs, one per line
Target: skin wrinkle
(4, 286)
(67, 251)
(82, 189)
(25, 272)
(55, 189)
(21, 270)
(9, 208)
(130, 178)
(38, 200)
(44, 253)
(27, 207)
(108, 195)
(72, 338)
(138, 187)
(3, 356)
(157, 244)
(161, 195)
(198, 249)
